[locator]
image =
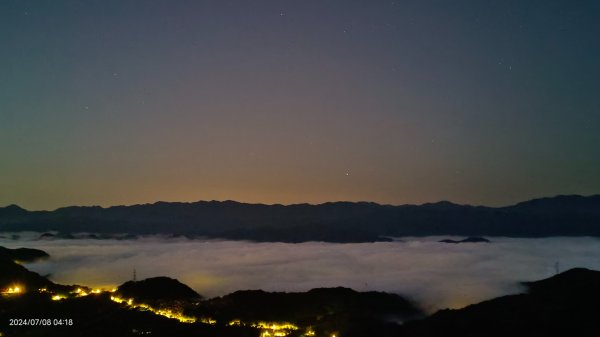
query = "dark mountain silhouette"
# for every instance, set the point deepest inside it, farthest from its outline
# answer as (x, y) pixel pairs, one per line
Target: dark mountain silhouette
(13, 274)
(309, 307)
(334, 222)
(339, 311)
(23, 254)
(12, 210)
(563, 305)
(157, 289)
(471, 239)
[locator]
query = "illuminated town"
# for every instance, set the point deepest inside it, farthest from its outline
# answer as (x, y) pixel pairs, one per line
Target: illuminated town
(14, 290)
(267, 329)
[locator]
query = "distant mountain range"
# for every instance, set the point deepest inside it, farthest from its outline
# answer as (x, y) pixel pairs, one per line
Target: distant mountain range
(333, 222)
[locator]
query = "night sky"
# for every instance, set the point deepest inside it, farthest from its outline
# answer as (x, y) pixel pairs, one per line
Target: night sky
(121, 102)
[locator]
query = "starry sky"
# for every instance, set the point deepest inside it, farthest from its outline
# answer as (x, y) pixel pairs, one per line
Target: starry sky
(122, 102)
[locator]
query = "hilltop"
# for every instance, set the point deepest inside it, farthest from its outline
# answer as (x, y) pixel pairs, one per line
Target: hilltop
(563, 305)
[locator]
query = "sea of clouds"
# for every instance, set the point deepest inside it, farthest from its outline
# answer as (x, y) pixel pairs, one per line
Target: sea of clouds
(435, 275)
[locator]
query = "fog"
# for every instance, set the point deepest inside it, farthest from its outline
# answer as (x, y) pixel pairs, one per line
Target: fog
(435, 275)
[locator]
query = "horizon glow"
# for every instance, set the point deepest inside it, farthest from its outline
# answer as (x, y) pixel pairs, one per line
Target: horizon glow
(402, 102)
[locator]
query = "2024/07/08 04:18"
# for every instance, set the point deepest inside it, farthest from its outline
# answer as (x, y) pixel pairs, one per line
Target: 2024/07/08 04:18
(40, 322)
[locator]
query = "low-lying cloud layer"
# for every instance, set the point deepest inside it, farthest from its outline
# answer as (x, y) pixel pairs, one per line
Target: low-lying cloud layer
(434, 274)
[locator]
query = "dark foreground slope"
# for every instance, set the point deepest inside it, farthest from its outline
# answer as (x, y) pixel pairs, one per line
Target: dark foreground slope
(334, 222)
(14, 275)
(23, 254)
(165, 307)
(327, 311)
(564, 305)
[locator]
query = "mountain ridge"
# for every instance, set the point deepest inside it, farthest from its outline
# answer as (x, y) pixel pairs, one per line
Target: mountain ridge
(560, 197)
(562, 305)
(563, 215)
